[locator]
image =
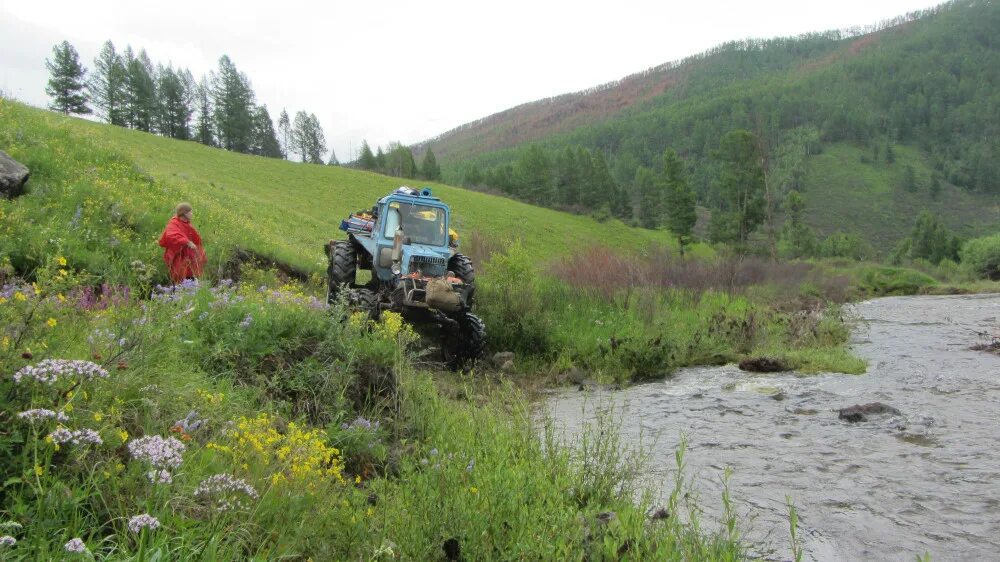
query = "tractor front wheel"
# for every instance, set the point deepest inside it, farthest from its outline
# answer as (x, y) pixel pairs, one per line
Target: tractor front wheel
(342, 268)
(461, 266)
(464, 344)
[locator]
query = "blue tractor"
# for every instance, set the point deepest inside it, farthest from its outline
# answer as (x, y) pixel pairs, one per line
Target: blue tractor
(416, 270)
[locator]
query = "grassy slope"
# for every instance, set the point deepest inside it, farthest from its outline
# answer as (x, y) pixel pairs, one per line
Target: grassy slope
(290, 209)
(844, 193)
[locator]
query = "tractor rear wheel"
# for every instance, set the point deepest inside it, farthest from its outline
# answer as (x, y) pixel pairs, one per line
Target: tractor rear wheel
(462, 347)
(461, 266)
(342, 268)
(365, 301)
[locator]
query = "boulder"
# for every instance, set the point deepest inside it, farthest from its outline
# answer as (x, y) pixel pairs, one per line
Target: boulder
(13, 176)
(861, 412)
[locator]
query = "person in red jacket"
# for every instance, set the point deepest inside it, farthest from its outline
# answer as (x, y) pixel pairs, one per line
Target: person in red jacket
(182, 249)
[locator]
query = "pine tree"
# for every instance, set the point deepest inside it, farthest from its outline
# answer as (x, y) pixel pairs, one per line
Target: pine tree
(308, 138)
(285, 132)
(67, 83)
(367, 160)
(647, 188)
(680, 199)
(140, 106)
(265, 141)
(429, 168)
(567, 178)
(380, 161)
(741, 189)
(317, 142)
(233, 104)
(174, 106)
(332, 161)
(797, 239)
(473, 176)
(107, 85)
(533, 174)
(204, 129)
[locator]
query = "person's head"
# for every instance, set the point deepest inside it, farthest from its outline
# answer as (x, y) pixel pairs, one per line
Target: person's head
(184, 212)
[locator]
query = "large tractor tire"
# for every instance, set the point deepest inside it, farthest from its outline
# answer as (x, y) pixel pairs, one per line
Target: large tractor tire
(342, 268)
(365, 301)
(461, 266)
(463, 347)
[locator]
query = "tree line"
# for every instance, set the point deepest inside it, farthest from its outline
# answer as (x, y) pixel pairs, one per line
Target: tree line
(128, 90)
(397, 160)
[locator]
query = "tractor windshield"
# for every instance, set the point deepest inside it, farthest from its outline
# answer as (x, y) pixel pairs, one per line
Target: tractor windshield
(421, 224)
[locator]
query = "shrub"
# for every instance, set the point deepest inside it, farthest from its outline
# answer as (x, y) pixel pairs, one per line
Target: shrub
(894, 281)
(981, 256)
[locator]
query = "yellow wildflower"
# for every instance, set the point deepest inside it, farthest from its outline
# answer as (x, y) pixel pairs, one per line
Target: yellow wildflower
(62, 273)
(357, 478)
(61, 261)
(119, 467)
(123, 435)
(98, 416)
(51, 322)
(474, 490)
(68, 408)
(370, 512)
(3, 300)
(19, 296)
(5, 343)
(39, 470)
(61, 297)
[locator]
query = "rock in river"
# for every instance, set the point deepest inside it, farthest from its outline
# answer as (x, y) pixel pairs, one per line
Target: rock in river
(860, 412)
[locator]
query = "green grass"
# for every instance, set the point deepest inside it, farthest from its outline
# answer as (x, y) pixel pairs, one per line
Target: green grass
(844, 192)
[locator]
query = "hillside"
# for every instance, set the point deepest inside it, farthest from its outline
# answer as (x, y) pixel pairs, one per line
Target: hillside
(122, 185)
(924, 85)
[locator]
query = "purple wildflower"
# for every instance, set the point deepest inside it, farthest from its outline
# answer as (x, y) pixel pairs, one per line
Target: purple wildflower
(75, 545)
(245, 323)
(77, 437)
(50, 371)
(160, 477)
(225, 492)
(361, 424)
(7, 540)
(42, 414)
(144, 521)
(471, 465)
(157, 451)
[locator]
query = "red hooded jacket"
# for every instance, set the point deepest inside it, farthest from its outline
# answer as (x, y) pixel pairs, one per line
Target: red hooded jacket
(182, 261)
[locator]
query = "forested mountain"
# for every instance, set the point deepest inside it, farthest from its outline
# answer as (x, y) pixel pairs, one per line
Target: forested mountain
(915, 102)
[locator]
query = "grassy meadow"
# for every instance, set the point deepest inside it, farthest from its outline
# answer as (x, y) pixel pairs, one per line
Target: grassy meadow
(248, 420)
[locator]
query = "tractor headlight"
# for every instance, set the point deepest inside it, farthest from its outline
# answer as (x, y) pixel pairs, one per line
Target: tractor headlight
(395, 269)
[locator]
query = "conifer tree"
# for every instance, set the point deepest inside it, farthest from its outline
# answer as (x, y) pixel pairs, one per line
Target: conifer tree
(429, 168)
(174, 109)
(265, 141)
(567, 178)
(307, 138)
(285, 132)
(680, 199)
(233, 103)
(533, 174)
(380, 161)
(205, 129)
(107, 85)
(332, 161)
(67, 83)
(741, 189)
(367, 160)
(317, 141)
(647, 189)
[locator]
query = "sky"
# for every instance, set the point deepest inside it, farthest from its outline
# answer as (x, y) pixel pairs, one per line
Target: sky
(403, 70)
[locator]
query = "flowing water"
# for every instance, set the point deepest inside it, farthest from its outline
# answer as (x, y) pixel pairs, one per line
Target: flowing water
(889, 488)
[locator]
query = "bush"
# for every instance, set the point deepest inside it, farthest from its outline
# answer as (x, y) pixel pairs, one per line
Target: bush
(894, 281)
(981, 257)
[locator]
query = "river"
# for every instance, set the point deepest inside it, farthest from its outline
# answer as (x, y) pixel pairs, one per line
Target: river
(889, 488)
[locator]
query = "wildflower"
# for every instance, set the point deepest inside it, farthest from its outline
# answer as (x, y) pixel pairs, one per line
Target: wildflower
(77, 437)
(50, 371)
(157, 451)
(159, 477)
(471, 465)
(39, 470)
(19, 296)
(3, 300)
(357, 478)
(61, 297)
(75, 545)
(51, 322)
(61, 261)
(123, 435)
(144, 521)
(361, 423)
(225, 492)
(245, 323)
(7, 540)
(42, 414)
(474, 490)
(434, 452)
(98, 416)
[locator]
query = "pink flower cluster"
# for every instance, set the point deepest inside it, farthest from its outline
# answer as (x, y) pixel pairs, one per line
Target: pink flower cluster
(224, 491)
(144, 521)
(39, 414)
(159, 476)
(76, 437)
(157, 451)
(50, 371)
(75, 545)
